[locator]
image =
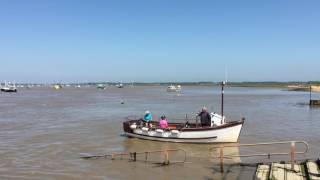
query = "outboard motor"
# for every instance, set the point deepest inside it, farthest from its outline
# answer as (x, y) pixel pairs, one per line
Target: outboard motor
(216, 119)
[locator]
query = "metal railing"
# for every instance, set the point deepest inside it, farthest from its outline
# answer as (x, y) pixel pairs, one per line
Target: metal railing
(133, 156)
(292, 152)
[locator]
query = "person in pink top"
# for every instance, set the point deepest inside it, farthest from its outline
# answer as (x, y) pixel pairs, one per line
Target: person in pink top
(163, 123)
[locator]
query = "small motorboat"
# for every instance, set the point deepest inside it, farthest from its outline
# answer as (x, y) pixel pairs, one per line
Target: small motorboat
(219, 131)
(9, 87)
(173, 88)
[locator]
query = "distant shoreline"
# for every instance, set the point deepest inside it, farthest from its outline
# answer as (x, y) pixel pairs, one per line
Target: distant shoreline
(233, 84)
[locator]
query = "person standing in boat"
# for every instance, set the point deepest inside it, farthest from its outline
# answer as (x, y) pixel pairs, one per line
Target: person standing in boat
(205, 117)
(163, 123)
(147, 118)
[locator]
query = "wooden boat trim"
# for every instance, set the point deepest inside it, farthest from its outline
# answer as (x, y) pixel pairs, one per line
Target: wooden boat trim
(159, 137)
(227, 125)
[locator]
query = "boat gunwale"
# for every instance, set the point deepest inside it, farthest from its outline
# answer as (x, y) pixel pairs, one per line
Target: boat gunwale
(184, 129)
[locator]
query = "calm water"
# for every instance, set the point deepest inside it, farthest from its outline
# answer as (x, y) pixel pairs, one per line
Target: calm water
(44, 132)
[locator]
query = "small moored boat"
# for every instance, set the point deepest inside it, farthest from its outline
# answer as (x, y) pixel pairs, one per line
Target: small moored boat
(173, 88)
(120, 85)
(9, 87)
(57, 86)
(101, 86)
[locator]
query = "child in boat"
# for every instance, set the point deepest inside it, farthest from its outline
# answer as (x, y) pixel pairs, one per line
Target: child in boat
(163, 123)
(147, 118)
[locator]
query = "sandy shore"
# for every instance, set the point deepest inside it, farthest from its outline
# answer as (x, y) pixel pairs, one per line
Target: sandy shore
(304, 88)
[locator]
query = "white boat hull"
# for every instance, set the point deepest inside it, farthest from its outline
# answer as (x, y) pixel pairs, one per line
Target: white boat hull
(223, 134)
(9, 89)
(174, 88)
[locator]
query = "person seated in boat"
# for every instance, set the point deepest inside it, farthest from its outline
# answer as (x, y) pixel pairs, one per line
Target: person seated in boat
(205, 117)
(147, 118)
(163, 123)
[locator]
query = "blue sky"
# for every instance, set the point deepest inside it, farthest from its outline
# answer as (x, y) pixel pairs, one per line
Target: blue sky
(159, 40)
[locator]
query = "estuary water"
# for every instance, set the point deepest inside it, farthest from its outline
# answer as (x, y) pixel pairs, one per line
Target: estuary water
(44, 132)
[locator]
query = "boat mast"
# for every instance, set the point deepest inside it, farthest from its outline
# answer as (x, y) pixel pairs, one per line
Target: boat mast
(222, 93)
(310, 94)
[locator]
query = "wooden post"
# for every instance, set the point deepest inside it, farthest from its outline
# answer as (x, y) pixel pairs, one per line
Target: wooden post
(166, 158)
(221, 158)
(134, 156)
(310, 102)
(146, 156)
(293, 152)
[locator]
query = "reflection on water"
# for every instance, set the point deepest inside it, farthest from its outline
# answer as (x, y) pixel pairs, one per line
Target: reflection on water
(196, 151)
(43, 132)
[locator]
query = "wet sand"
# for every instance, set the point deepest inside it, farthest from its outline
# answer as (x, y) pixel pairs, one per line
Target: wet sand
(43, 132)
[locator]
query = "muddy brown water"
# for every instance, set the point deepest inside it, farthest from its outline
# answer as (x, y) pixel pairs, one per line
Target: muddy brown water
(44, 132)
